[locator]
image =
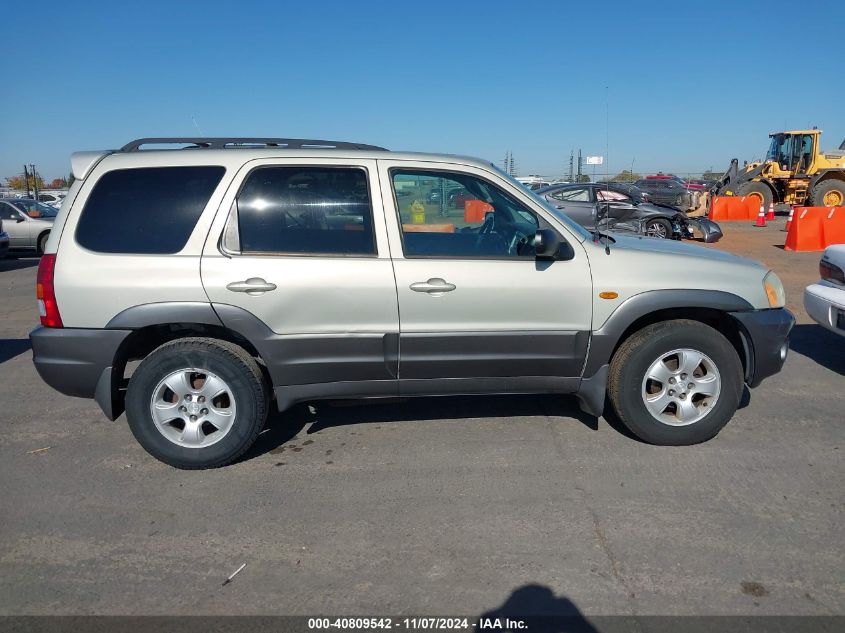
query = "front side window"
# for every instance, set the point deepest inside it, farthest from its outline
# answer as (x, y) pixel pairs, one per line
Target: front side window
(7, 212)
(454, 215)
(147, 210)
(303, 211)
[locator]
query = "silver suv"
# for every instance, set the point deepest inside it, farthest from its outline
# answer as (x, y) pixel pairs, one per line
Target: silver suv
(244, 271)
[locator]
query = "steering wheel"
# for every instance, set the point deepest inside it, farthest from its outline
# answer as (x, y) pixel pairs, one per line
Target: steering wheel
(519, 241)
(486, 229)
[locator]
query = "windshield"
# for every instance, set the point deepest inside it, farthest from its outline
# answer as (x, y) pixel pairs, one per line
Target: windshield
(573, 226)
(36, 209)
(774, 149)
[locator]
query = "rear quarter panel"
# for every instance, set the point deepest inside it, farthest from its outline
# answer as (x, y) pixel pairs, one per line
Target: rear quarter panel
(93, 287)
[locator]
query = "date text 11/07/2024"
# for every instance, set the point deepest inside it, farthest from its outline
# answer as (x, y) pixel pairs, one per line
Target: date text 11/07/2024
(422, 623)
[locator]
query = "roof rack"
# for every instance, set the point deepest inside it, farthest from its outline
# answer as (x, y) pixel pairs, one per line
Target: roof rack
(235, 142)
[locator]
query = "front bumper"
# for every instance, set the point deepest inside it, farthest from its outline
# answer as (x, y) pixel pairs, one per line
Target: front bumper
(766, 337)
(78, 362)
(826, 306)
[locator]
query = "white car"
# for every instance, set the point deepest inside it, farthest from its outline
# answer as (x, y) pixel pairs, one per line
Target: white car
(53, 198)
(825, 300)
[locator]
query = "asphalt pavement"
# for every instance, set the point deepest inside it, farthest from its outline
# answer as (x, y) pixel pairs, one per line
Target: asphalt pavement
(430, 506)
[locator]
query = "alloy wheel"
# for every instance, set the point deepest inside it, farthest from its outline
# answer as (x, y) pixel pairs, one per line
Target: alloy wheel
(193, 407)
(681, 387)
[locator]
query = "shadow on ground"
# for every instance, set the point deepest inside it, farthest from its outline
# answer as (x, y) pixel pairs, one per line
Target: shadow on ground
(819, 345)
(325, 415)
(16, 263)
(539, 609)
(11, 347)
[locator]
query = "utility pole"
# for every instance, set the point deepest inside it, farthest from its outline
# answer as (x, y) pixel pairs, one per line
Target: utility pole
(571, 163)
(580, 163)
(34, 181)
(26, 180)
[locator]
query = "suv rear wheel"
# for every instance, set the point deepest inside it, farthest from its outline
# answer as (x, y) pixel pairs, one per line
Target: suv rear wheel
(675, 383)
(197, 402)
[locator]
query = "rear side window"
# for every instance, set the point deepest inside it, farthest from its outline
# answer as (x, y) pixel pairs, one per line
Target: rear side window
(303, 211)
(150, 210)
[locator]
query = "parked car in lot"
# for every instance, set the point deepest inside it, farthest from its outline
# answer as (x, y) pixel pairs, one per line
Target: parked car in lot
(630, 190)
(587, 202)
(458, 197)
(27, 222)
(4, 241)
(52, 198)
(825, 300)
(243, 276)
(686, 184)
(668, 192)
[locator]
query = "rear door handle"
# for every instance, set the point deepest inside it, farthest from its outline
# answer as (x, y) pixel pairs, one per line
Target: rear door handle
(434, 286)
(253, 286)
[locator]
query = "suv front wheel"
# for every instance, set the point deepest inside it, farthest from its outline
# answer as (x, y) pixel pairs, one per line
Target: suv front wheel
(197, 402)
(675, 383)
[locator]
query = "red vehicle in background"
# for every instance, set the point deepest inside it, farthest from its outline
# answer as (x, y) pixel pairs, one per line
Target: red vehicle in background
(686, 184)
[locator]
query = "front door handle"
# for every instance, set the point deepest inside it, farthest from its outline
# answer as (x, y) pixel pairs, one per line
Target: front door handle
(253, 286)
(434, 286)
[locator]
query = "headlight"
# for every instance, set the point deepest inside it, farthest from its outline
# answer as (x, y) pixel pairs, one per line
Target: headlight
(774, 290)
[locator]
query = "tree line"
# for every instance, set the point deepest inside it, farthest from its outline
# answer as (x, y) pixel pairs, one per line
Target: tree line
(19, 183)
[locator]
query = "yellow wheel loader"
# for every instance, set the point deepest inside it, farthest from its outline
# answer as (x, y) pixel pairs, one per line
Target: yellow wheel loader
(795, 172)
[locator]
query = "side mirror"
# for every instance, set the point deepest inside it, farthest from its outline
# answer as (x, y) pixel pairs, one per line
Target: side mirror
(547, 244)
(19, 219)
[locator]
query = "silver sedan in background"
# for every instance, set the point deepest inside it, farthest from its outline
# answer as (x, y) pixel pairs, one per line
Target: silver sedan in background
(28, 223)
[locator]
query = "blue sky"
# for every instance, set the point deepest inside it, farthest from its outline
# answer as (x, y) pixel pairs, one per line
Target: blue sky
(688, 85)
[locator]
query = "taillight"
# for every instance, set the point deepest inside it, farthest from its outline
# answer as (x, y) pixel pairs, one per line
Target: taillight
(48, 309)
(831, 272)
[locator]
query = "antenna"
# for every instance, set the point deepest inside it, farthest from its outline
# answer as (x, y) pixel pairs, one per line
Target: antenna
(607, 132)
(196, 125)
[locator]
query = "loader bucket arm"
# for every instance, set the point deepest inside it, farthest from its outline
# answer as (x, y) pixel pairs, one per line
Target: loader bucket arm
(729, 177)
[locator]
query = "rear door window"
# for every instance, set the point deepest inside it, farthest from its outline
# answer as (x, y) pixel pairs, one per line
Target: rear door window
(580, 194)
(148, 210)
(303, 210)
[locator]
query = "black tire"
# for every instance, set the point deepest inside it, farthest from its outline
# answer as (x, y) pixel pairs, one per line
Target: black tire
(828, 187)
(758, 189)
(654, 225)
(230, 363)
(630, 365)
(42, 243)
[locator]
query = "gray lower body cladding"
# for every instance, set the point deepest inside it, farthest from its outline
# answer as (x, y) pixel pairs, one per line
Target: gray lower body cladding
(766, 334)
(71, 360)
(79, 362)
